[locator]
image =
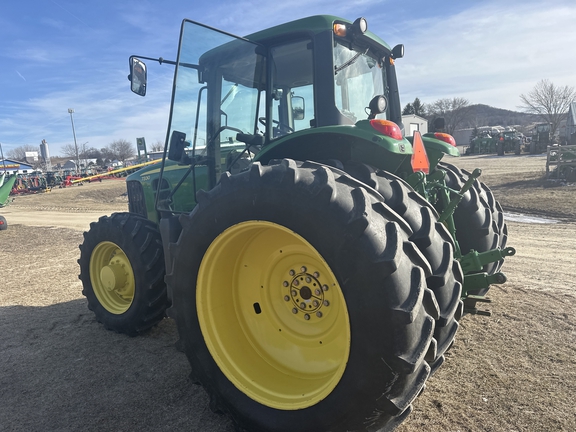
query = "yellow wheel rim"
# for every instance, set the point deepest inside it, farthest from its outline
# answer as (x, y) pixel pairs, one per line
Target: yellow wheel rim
(273, 315)
(112, 277)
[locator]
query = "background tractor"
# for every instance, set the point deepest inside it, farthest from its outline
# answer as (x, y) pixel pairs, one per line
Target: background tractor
(315, 260)
(541, 139)
(489, 142)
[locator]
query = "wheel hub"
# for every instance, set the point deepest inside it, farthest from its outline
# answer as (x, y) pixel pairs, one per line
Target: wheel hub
(308, 296)
(114, 277)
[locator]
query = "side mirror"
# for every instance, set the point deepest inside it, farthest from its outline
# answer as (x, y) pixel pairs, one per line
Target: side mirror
(177, 146)
(138, 76)
(298, 108)
(398, 51)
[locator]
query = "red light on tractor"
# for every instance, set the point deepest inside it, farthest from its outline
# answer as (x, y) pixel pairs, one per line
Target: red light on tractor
(445, 137)
(387, 127)
(420, 160)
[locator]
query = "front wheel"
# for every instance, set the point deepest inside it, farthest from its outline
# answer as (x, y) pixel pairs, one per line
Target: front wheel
(301, 303)
(122, 272)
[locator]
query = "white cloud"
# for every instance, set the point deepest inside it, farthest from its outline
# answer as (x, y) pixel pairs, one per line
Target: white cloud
(489, 54)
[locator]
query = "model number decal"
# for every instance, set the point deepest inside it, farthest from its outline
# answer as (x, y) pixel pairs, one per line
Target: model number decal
(145, 178)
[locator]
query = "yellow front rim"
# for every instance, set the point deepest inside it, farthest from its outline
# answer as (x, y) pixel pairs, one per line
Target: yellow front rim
(112, 277)
(273, 315)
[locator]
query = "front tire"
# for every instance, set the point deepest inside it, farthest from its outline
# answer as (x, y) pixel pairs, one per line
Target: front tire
(301, 303)
(122, 273)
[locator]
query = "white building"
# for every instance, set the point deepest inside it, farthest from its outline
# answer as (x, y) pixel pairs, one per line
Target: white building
(414, 123)
(13, 166)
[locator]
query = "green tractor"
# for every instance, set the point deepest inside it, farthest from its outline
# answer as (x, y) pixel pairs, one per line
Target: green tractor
(484, 143)
(316, 261)
(489, 142)
(541, 139)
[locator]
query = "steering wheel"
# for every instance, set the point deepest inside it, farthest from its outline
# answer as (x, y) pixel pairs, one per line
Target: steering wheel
(281, 126)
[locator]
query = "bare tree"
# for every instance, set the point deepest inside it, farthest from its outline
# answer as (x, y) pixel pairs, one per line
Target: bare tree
(19, 153)
(551, 103)
(68, 150)
(157, 146)
(122, 149)
(455, 112)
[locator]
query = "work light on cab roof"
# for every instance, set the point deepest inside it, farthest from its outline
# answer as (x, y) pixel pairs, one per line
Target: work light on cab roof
(358, 27)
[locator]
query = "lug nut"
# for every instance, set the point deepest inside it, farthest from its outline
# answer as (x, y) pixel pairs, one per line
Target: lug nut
(302, 305)
(292, 272)
(316, 274)
(317, 292)
(286, 298)
(319, 314)
(294, 310)
(308, 279)
(294, 293)
(326, 303)
(306, 317)
(303, 269)
(296, 282)
(315, 303)
(285, 283)
(325, 287)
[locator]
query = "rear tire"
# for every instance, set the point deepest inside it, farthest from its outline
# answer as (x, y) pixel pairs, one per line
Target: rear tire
(122, 273)
(3, 223)
(479, 218)
(241, 314)
(432, 239)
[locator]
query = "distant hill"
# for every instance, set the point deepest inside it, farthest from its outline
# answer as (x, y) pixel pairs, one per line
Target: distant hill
(484, 115)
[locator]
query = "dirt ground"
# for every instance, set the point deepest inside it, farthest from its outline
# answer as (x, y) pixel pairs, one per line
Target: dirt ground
(62, 371)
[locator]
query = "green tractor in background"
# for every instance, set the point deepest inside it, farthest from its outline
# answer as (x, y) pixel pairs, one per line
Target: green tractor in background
(541, 139)
(490, 142)
(315, 260)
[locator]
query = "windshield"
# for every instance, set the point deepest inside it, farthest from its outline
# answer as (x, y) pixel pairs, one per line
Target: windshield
(358, 78)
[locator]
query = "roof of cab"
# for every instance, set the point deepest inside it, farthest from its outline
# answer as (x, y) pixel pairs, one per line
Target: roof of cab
(314, 24)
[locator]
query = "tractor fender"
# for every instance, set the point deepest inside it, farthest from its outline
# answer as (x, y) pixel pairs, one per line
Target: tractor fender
(359, 142)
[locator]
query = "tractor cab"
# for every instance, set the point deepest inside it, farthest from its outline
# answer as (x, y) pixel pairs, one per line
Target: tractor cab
(283, 92)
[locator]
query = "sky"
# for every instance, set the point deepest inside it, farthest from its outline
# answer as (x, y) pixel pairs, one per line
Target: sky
(61, 54)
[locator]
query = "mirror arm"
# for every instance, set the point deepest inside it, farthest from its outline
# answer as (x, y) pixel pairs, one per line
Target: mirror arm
(170, 62)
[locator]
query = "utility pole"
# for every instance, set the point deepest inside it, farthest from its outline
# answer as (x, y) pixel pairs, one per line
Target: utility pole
(3, 160)
(71, 111)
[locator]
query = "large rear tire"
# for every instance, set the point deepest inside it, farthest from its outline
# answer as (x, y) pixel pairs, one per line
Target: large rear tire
(432, 239)
(301, 303)
(122, 273)
(479, 218)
